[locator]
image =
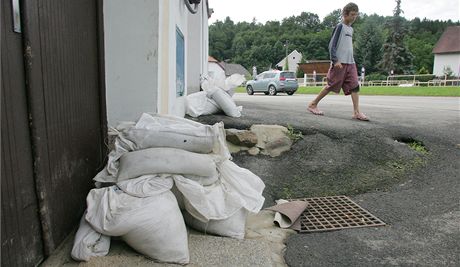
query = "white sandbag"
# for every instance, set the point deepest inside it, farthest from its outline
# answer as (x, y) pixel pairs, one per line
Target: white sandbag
(147, 185)
(165, 160)
(151, 225)
(104, 177)
(209, 83)
(207, 202)
(225, 102)
(153, 120)
(179, 197)
(121, 146)
(89, 243)
(195, 139)
(243, 182)
(232, 82)
(160, 231)
(199, 103)
(109, 210)
(204, 181)
(234, 226)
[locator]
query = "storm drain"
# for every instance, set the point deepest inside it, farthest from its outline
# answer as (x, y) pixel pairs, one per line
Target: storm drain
(334, 213)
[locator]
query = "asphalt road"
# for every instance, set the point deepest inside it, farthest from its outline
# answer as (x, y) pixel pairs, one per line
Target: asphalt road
(416, 194)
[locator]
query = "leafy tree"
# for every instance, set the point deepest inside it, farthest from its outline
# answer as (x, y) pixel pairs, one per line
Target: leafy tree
(368, 45)
(332, 19)
(286, 64)
(396, 56)
(299, 73)
(253, 43)
(308, 22)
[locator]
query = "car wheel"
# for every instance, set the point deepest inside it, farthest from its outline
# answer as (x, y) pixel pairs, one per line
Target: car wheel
(290, 92)
(249, 90)
(272, 90)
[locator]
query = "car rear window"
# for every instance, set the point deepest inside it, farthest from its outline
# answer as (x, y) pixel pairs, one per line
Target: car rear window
(287, 74)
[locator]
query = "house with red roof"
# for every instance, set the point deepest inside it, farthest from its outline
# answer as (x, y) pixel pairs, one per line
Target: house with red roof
(447, 52)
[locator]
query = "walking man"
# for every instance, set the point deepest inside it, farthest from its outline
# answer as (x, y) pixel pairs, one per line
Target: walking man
(343, 73)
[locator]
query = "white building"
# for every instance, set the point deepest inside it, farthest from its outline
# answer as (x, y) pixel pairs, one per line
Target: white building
(447, 52)
(293, 60)
(215, 69)
(154, 52)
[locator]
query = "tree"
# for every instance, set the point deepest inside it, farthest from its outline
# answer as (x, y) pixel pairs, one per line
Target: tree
(332, 19)
(368, 45)
(308, 22)
(299, 73)
(286, 64)
(396, 56)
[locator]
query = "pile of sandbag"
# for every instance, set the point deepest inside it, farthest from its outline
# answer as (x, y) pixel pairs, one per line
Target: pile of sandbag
(162, 171)
(215, 97)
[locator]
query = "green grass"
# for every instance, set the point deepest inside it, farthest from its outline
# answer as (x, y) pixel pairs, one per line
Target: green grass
(388, 90)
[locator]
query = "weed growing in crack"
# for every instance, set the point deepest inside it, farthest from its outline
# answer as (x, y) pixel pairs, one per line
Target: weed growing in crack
(293, 134)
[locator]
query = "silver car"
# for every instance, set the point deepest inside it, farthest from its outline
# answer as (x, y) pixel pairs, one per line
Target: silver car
(273, 81)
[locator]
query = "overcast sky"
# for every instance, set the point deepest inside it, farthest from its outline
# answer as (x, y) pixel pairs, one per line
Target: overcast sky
(264, 10)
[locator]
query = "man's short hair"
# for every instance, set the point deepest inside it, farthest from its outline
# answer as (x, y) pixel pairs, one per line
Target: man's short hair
(350, 7)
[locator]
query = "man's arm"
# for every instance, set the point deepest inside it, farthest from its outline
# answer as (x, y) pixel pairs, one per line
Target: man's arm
(334, 43)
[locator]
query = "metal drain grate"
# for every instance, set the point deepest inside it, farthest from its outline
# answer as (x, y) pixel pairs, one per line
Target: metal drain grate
(334, 213)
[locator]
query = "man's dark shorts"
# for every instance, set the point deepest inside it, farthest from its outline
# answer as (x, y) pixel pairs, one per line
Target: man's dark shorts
(345, 78)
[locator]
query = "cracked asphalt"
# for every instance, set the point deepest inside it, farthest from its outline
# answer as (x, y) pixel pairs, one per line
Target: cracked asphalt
(416, 193)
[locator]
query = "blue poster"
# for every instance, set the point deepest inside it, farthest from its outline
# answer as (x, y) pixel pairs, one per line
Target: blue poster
(180, 63)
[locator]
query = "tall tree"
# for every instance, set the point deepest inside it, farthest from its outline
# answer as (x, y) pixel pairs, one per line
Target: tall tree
(368, 45)
(396, 56)
(332, 19)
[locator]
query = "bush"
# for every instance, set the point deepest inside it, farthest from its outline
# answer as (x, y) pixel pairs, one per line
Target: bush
(376, 77)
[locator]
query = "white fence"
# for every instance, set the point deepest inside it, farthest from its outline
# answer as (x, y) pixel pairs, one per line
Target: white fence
(392, 80)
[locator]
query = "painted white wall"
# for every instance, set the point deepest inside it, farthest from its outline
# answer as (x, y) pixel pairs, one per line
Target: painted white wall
(444, 60)
(197, 47)
(131, 58)
(215, 71)
(173, 13)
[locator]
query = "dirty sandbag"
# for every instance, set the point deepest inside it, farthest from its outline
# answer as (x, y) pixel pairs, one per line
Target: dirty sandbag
(89, 243)
(199, 140)
(165, 160)
(147, 185)
(154, 121)
(233, 226)
(244, 183)
(207, 202)
(151, 225)
(199, 103)
(225, 102)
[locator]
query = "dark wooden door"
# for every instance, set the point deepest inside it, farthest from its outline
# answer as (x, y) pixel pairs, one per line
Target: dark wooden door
(53, 123)
(66, 104)
(21, 230)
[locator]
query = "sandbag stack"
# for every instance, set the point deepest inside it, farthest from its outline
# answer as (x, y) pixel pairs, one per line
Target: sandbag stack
(162, 171)
(215, 97)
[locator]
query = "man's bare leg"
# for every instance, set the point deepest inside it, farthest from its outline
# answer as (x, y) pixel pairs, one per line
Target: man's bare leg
(356, 113)
(321, 95)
